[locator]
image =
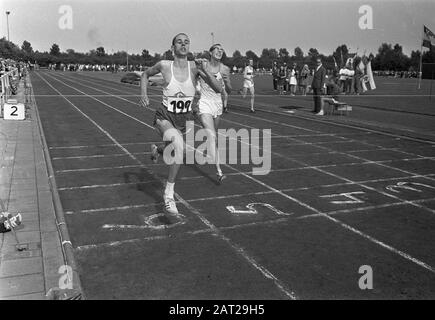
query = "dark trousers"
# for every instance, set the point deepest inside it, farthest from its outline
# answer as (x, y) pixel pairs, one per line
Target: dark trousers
(357, 84)
(275, 83)
(317, 96)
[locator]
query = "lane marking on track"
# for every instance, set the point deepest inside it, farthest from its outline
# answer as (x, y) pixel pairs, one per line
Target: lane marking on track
(232, 227)
(150, 222)
(348, 195)
(101, 168)
(99, 156)
(354, 210)
(101, 145)
(111, 185)
(349, 164)
(251, 209)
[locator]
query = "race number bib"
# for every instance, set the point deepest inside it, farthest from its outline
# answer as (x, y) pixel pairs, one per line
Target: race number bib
(179, 105)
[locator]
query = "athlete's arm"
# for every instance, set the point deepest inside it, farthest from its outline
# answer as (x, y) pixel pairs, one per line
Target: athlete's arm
(226, 77)
(208, 77)
(144, 101)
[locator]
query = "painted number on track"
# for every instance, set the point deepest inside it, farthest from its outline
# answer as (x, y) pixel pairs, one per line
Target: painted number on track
(251, 209)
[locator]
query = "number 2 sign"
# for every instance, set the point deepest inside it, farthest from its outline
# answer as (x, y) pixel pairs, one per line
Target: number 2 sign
(14, 111)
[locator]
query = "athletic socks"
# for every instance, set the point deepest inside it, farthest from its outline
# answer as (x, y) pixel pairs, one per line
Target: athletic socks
(169, 190)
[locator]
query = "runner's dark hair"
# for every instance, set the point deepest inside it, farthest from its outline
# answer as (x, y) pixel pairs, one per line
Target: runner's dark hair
(175, 38)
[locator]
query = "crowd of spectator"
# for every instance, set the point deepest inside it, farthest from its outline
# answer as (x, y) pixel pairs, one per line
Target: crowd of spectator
(11, 81)
(95, 67)
(7, 65)
(296, 79)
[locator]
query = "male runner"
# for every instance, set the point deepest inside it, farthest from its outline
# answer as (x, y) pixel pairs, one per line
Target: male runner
(248, 82)
(176, 108)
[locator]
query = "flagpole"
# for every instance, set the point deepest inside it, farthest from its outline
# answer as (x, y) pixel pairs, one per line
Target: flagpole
(420, 74)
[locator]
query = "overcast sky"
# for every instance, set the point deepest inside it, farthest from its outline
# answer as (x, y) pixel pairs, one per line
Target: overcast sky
(237, 24)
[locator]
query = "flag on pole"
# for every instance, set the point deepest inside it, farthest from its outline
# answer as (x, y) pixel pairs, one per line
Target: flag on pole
(335, 64)
(428, 38)
(369, 73)
(342, 60)
(367, 81)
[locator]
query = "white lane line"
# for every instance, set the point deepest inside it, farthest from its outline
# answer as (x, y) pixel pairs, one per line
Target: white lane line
(102, 145)
(99, 156)
(118, 243)
(346, 226)
(120, 208)
(113, 185)
(265, 272)
(276, 170)
(102, 168)
(353, 210)
(181, 234)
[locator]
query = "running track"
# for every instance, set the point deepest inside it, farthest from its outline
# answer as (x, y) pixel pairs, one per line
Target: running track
(337, 198)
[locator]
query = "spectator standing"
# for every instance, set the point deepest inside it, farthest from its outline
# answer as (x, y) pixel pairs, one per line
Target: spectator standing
(303, 79)
(275, 76)
(282, 76)
(317, 85)
(292, 79)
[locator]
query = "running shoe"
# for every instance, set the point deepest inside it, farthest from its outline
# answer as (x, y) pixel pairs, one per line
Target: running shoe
(154, 153)
(220, 177)
(253, 111)
(13, 221)
(170, 206)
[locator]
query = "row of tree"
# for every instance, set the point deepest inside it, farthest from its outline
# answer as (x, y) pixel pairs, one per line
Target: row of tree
(388, 57)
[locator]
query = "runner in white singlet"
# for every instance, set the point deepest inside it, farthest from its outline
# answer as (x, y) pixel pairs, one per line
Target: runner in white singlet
(176, 108)
(248, 82)
(211, 102)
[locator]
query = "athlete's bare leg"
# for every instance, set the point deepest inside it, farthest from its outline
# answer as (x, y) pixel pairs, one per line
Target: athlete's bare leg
(252, 91)
(244, 91)
(225, 101)
(210, 125)
(168, 132)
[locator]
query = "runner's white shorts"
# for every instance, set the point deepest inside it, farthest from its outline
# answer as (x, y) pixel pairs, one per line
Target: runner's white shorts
(248, 84)
(213, 107)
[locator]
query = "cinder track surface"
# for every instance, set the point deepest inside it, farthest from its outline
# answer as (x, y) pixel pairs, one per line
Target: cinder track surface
(337, 198)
